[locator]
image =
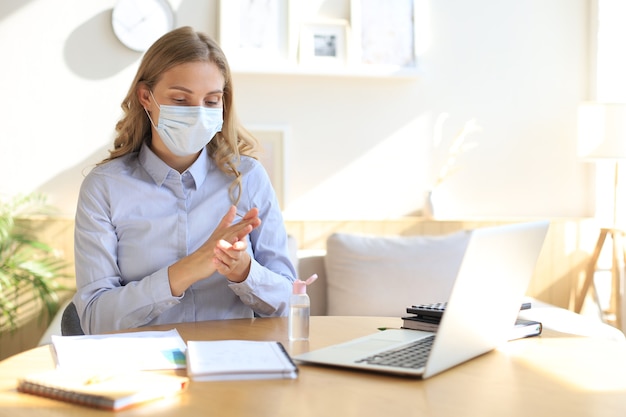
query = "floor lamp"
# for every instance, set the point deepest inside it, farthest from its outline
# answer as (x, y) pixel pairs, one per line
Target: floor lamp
(602, 136)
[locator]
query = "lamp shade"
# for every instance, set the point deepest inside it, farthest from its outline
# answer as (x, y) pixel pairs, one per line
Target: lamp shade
(602, 130)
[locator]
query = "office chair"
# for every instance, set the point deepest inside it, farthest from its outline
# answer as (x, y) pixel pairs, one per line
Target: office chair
(70, 323)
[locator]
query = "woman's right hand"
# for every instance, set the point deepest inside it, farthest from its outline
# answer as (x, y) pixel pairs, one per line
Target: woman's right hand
(199, 264)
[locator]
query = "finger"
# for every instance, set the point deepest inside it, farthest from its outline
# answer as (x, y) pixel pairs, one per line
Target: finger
(224, 262)
(253, 212)
(227, 246)
(240, 230)
(221, 267)
(227, 252)
(239, 245)
(253, 222)
(221, 258)
(250, 218)
(223, 244)
(228, 218)
(241, 234)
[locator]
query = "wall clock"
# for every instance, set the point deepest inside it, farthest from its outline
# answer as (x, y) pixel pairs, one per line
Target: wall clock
(138, 23)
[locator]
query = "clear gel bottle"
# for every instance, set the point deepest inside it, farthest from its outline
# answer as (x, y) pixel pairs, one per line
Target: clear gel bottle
(300, 310)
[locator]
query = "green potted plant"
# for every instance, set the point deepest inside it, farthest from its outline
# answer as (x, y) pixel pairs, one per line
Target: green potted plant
(30, 271)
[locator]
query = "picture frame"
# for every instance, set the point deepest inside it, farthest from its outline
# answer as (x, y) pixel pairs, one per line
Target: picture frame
(324, 43)
(254, 30)
(384, 32)
(273, 142)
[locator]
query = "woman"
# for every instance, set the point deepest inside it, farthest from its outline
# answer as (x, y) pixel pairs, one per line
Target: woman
(179, 223)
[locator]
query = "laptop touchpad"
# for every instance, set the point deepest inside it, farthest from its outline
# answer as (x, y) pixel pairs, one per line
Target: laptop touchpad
(368, 345)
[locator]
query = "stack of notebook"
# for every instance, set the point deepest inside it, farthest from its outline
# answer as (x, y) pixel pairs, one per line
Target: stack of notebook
(426, 317)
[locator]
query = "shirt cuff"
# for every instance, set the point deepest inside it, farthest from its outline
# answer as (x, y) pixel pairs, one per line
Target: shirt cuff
(162, 288)
(245, 288)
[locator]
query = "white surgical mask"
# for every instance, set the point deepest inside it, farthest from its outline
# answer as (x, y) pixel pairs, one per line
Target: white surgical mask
(185, 130)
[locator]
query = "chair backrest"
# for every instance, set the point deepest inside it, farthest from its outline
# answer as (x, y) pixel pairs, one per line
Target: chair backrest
(70, 323)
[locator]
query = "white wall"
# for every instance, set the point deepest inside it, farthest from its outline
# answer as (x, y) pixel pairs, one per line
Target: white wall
(359, 147)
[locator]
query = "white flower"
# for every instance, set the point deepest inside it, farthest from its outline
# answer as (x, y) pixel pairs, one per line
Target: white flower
(457, 147)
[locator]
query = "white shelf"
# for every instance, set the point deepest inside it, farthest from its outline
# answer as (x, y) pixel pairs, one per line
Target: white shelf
(334, 71)
(290, 48)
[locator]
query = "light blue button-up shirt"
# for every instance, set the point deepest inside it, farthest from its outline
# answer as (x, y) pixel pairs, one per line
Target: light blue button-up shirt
(136, 216)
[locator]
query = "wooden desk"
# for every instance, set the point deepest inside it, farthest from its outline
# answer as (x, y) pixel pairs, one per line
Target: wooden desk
(551, 375)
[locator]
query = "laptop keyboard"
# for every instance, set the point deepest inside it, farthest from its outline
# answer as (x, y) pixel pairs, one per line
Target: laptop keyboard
(413, 355)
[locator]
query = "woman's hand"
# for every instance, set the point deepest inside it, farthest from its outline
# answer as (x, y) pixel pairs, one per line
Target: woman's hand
(232, 261)
(231, 258)
(224, 251)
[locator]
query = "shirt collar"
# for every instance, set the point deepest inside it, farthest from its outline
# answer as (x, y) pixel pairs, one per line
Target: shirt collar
(159, 170)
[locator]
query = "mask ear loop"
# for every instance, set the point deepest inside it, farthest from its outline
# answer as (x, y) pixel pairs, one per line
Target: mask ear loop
(148, 113)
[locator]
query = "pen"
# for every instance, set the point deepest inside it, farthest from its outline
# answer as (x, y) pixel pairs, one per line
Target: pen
(97, 379)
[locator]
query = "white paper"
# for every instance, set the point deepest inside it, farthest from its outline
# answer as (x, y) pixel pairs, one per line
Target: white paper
(149, 350)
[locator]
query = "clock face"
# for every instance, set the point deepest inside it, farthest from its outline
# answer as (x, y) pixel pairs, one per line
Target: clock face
(138, 23)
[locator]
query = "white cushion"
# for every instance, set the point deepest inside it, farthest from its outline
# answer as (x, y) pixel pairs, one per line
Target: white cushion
(381, 276)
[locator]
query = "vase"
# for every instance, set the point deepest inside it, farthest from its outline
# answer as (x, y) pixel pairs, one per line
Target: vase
(428, 210)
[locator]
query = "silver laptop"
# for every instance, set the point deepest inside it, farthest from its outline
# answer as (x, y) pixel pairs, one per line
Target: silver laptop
(494, 275)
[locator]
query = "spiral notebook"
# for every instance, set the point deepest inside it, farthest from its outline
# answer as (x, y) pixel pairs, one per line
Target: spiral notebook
(238, 359)
(114, 392)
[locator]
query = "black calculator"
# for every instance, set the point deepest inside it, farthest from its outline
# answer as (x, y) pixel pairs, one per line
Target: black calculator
(434, 310)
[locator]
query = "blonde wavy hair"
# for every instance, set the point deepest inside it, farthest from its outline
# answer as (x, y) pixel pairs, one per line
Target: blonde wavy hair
(180, 46)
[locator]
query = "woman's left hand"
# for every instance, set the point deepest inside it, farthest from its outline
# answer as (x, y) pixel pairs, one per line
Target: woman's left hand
(232, 260)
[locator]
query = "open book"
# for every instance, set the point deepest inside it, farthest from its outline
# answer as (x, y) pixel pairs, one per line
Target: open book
(238, 359)
(105, 391)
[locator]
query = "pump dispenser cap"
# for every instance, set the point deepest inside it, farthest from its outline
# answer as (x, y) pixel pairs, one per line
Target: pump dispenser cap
(299, 287)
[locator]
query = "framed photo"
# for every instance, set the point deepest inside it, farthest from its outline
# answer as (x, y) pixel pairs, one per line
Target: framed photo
(273, 140)
(384, 32)
(324, 43)
(254, 29)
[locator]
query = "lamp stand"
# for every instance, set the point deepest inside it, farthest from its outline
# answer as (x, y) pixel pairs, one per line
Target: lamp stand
(613, 314)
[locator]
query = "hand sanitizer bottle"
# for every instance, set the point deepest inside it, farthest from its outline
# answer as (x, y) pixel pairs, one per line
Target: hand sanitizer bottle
(300, 310)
